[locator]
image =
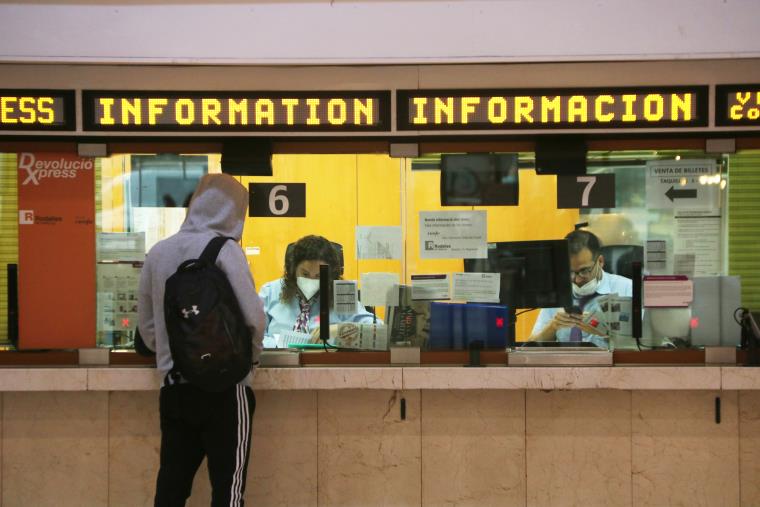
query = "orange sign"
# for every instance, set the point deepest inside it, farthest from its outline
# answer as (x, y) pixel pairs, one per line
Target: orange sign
(56, 203)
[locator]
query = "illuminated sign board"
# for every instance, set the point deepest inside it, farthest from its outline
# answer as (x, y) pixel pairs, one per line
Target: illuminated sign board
(543, 108)
(37, 110)
(237, 111)
(737, 105)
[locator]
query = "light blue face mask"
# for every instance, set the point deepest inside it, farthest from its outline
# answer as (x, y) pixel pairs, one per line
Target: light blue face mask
(307, 286)
(587, 289)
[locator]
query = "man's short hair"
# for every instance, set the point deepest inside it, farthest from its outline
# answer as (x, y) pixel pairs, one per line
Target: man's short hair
(580, 239)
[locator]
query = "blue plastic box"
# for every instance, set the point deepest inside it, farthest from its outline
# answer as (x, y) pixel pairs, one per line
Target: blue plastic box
(460, 325)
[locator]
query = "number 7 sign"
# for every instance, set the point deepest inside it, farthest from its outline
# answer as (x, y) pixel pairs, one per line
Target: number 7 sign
(586, 191)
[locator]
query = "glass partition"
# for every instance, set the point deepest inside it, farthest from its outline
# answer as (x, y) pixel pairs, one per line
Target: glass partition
(372, 205)
(140, 199)
(675, 211)
(143, 199)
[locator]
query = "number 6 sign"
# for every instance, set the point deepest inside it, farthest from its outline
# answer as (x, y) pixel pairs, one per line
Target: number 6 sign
(277, 199)
(586, 191)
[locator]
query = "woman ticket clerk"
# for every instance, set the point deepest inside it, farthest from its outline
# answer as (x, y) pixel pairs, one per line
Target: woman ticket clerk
(291, 303)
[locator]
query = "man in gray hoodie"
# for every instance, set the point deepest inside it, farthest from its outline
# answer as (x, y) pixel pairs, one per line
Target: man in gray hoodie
(196, 423)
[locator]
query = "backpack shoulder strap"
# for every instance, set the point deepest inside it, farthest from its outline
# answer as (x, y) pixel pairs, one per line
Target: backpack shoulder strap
(212, 249)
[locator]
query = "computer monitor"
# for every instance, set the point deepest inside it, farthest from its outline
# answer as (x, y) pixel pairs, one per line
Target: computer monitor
(563, 155)
(247, 157)
(479, 179)
(534, 274)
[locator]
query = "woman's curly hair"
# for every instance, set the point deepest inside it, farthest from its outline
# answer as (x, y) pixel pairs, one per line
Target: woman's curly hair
(308, 248)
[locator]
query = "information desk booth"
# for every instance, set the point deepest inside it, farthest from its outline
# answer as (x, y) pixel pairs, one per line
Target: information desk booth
(414, 171)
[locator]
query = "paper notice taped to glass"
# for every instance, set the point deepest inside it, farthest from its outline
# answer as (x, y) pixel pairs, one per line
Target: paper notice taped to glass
(378, 242)
(476, 287)
(453, 235)
(430, 287)
(344, 297)
(668, 291)
(379, 289)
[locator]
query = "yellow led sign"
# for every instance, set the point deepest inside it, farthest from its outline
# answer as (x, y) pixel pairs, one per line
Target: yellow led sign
(234, 111)
(36, 110)
(737, 105)
(549, 108)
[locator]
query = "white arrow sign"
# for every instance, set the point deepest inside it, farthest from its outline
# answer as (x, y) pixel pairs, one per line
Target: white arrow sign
(683, 184)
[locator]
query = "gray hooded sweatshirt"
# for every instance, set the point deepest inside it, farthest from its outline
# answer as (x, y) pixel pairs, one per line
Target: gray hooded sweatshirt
(218, 208)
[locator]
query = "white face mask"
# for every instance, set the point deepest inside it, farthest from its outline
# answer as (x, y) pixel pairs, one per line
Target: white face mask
(308, 286)
(587, 289)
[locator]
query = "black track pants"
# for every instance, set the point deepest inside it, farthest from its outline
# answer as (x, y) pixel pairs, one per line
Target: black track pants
(195, 424)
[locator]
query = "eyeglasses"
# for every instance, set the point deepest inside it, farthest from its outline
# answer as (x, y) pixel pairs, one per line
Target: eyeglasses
(584, 272)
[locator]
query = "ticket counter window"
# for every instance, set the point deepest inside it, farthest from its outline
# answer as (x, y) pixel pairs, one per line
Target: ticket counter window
(345, 196)
(534, 216)
(142, 200)
(669, 215)
(675, 211)
(354, 201)
(675, 200)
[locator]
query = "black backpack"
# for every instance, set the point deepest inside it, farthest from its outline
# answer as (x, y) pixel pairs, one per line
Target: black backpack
(209, 340)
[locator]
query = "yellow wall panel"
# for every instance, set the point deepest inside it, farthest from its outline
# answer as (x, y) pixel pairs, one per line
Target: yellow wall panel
(536, 217)
(379, 204)
(114, 173)
(331, 211)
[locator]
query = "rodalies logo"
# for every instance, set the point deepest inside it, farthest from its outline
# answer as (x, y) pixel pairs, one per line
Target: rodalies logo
(62, 167)
(432, 245)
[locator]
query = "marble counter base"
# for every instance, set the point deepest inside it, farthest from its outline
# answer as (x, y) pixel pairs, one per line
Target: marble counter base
(328, 378)
(266, 379)
(663, 378)
(44, 379)
(617, 377)
(740, 378)
(357, 448)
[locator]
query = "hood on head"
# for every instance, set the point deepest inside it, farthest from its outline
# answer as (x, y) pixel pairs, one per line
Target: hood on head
(219, 204)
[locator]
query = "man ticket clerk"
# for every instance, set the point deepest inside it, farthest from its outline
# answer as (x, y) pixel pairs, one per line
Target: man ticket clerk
(589, 282)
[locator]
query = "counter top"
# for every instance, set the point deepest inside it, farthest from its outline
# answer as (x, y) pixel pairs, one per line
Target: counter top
(140, 378)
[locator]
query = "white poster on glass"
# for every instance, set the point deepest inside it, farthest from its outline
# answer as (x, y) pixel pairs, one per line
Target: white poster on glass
(378, 242)
(476, 287)
(379, 289)
(697, 246)
(430, 287)
(453, 235)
